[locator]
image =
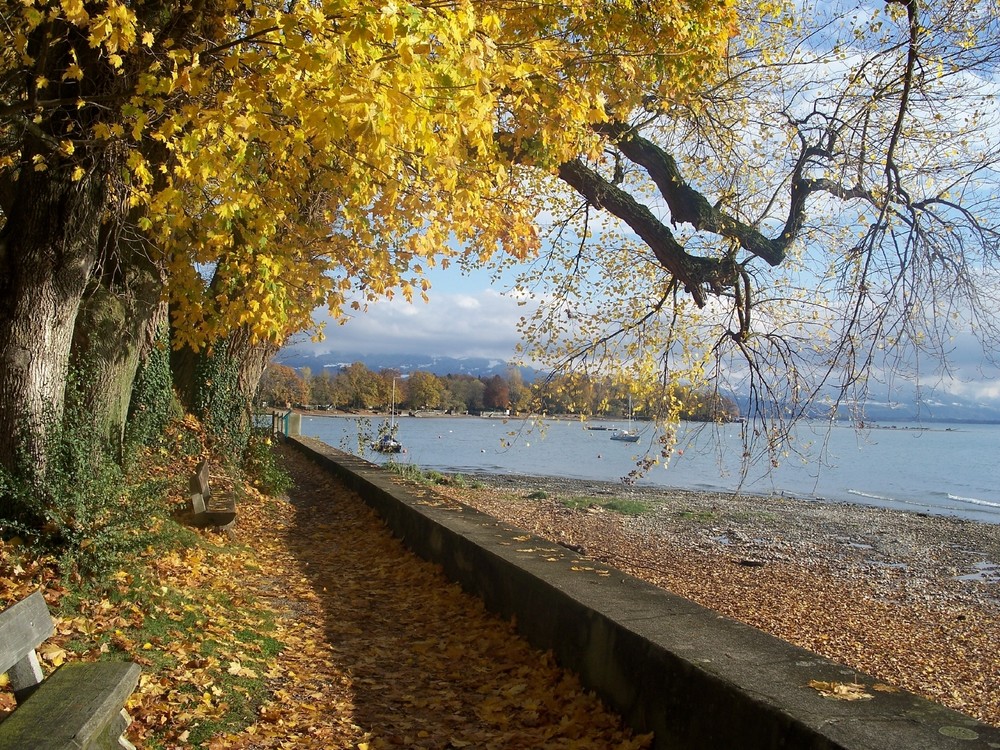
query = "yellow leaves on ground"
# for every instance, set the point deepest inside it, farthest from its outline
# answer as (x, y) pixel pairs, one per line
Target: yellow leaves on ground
(842, 691)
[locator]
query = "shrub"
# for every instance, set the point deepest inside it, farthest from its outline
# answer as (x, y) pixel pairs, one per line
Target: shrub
(80, 507)
(261, 466)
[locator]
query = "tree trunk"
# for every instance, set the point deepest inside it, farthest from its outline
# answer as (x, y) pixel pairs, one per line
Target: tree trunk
(120, 315)
(48, 249)
(219, 384)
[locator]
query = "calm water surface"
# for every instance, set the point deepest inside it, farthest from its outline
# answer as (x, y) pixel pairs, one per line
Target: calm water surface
(940, 469)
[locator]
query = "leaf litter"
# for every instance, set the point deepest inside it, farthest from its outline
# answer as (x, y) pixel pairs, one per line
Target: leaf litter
(917, 627)
(313, 628)
(383, 652)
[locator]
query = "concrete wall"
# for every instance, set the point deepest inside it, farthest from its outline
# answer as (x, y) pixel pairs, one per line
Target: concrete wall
(698, 680)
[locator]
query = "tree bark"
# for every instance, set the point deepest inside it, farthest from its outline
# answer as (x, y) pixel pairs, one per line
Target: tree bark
(48, 249)
(119, 317)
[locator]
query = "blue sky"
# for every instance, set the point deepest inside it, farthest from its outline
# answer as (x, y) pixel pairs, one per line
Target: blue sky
(467, 316)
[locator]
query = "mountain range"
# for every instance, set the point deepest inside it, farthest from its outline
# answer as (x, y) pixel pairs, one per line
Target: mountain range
(405, 363)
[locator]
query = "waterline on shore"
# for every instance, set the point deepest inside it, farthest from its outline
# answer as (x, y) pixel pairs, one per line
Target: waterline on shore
(933, 471)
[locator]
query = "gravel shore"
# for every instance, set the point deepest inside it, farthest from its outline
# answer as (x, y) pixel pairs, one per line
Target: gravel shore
(912, 600)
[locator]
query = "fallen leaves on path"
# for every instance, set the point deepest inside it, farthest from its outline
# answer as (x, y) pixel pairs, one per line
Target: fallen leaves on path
(383, 652)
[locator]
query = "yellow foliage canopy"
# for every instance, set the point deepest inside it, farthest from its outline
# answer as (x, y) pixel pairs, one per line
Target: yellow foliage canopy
(328, 153)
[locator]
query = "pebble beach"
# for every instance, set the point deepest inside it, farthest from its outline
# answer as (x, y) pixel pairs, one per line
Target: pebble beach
(910, 600)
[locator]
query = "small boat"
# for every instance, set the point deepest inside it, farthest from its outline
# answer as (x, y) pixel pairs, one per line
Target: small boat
(387, 442)
(629, 435)
(625, 436)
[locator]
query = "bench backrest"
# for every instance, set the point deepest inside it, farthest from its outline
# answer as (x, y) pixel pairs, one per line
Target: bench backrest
(23, 627)
(199, 482)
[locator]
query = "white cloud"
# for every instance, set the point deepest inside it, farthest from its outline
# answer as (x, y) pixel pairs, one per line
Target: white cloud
(483, 324)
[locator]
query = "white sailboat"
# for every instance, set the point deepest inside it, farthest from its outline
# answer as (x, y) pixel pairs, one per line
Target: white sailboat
(628, 435)
(387, 442)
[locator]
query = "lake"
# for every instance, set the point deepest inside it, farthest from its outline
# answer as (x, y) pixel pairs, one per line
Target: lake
(939, 469)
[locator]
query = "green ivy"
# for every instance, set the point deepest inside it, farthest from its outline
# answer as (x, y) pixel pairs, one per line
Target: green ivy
(154, 404)
(218, 402)
(262, 468)
(80, 507)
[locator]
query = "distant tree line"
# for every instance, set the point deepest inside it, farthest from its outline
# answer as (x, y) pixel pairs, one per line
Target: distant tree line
(356, 387)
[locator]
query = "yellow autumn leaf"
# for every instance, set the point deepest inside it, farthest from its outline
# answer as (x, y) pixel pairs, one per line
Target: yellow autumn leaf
(845, 691)
(52, 653)
(74, 11)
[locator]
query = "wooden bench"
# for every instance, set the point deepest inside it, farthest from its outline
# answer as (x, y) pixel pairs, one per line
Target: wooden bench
(208, 509)
(80, 705)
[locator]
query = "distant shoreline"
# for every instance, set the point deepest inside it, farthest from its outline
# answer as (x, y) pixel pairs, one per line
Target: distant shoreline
(915, 425)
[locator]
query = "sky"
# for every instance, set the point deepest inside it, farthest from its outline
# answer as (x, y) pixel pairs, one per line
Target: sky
(466, 317)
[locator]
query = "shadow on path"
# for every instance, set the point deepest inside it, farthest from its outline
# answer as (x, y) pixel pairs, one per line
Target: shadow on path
(384, 652)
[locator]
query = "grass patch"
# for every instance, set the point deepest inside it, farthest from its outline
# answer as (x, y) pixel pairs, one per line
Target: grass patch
(171, 613)
(411, 472)
(702, 516)
(242, 697)
(627, 507)
(414, 473)
(538, 495)
(615, 505)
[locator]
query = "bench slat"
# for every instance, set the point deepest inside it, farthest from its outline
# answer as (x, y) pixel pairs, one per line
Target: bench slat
(23, 626)
(79, 706)
(198, 483)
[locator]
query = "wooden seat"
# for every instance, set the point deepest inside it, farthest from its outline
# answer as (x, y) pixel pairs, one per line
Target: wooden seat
(78, 706)
(208, 509)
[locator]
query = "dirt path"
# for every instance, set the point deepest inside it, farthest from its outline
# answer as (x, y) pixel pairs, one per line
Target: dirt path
(383, 652)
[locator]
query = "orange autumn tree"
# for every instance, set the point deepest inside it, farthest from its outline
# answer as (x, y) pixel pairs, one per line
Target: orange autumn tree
(249, 161)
